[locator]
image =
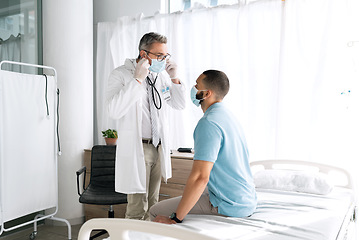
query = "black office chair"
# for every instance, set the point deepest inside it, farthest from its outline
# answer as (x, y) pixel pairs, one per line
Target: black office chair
(101, 188)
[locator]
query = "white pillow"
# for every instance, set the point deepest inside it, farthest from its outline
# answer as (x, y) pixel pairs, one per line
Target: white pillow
(297, 181)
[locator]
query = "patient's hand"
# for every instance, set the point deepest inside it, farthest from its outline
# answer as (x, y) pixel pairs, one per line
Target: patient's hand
(164, 219)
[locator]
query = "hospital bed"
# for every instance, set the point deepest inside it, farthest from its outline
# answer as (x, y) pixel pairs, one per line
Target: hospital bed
(296, 200)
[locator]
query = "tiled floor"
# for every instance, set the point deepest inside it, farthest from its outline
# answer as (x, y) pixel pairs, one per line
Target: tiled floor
(45, 232)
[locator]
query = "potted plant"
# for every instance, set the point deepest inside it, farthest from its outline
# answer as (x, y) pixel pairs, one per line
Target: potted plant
(110, 136)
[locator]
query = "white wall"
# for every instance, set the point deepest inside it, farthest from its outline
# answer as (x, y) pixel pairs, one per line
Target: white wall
(68, 47)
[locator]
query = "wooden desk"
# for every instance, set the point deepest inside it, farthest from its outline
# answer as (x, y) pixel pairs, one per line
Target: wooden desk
(181, 167)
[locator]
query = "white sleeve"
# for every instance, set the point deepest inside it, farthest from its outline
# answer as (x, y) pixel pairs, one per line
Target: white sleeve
(177, 100)
(177, 91)
(122, 92)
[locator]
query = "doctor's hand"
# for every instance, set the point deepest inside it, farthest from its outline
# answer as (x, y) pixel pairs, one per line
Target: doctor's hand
(171, 68)
(141, 70)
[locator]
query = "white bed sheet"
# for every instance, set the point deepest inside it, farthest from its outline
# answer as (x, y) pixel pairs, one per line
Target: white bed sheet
(279, 215)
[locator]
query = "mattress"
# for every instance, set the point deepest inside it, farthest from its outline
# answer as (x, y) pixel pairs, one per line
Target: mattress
(279, 215)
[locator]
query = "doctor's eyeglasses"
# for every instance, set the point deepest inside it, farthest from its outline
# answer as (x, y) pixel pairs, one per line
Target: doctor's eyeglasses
(160, 57)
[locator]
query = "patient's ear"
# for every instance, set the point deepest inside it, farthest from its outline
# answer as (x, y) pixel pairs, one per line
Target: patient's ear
(209, 93)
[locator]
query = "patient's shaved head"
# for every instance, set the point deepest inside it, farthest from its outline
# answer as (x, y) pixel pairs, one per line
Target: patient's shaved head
(216, 81)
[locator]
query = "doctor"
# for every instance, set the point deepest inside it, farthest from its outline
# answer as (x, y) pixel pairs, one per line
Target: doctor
(139, 95)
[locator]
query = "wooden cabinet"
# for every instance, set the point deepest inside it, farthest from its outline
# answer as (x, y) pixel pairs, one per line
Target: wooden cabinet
(181, 167)
(87, 164)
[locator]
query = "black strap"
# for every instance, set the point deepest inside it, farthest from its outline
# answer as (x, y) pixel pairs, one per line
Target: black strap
(47, 105)
(174, 218)
(58, 121)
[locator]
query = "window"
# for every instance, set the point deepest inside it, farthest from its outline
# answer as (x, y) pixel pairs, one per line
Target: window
(20, 33)
(181, 5)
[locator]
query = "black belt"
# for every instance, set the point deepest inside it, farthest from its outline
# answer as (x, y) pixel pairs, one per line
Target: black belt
(149, 141)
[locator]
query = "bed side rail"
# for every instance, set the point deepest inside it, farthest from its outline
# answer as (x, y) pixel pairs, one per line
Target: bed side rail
(118, 229)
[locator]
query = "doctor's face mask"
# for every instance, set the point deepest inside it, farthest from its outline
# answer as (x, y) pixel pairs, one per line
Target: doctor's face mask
(196, 100)
(157, 66)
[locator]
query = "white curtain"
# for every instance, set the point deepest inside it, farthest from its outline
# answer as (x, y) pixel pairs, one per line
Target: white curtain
(318, 101)
(104, 66)
(10, 49)
(293, 85)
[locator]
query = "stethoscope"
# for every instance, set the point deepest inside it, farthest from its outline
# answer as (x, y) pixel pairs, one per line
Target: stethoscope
(155, 92)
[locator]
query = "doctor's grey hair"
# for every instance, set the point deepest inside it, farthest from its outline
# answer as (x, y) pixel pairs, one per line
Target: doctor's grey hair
(216, 81)
(149, 38)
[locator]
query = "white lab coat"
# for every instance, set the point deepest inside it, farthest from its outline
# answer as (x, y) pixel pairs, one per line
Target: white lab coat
(124, 102)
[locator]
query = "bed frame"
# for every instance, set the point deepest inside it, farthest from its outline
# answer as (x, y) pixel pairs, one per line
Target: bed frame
(119, 228)
(345, 181)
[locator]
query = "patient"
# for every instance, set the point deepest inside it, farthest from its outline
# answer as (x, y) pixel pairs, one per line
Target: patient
(221, 181)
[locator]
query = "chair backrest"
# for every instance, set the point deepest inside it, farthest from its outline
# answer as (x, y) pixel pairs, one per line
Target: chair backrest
(103, 166)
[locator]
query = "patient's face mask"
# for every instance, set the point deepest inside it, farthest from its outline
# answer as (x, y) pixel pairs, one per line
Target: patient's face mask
(196, 99)
(157, 66)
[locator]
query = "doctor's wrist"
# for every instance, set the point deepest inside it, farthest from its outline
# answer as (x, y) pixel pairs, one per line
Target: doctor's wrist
(176, 80)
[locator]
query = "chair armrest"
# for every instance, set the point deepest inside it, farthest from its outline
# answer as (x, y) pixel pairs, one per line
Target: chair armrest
(78, 173)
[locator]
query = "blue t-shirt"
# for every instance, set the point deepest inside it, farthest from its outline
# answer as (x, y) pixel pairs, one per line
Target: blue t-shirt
(219, 138)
